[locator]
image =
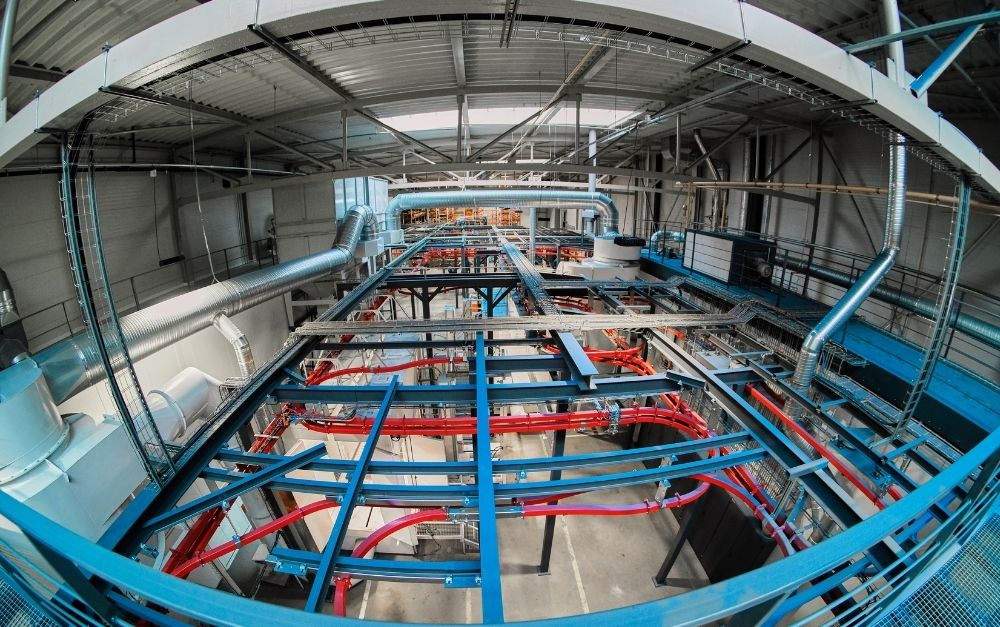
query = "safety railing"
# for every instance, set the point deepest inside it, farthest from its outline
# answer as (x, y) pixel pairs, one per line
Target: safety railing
(63, 319)
(970, 353)
(76, 582)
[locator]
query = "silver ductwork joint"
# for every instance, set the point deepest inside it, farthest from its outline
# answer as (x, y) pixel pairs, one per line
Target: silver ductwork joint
(74, 364)
(508, 198)
(241, 345)
(8, 306)
(812, 347)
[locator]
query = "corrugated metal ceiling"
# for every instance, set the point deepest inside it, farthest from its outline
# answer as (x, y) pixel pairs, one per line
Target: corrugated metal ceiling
(390, 61)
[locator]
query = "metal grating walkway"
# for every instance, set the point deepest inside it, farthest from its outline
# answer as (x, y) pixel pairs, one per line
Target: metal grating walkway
(965, 591)
(16, 611)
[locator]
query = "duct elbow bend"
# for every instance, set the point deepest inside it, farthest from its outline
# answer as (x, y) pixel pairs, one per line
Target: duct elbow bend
(239, 341)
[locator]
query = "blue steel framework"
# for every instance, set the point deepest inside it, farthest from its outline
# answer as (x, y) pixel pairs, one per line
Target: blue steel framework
(884, 547)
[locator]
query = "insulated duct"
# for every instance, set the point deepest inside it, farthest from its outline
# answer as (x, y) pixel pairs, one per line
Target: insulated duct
(981, 330)
(241, 345)
(812, 347)
(507, 198)
(74, 363)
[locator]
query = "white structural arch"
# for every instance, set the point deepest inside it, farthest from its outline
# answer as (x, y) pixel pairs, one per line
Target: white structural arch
(221, 25)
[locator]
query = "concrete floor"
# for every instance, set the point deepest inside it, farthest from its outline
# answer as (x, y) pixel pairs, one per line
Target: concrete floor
(598, 563)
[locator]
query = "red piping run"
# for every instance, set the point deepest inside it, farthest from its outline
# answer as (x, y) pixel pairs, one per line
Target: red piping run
(817, 445)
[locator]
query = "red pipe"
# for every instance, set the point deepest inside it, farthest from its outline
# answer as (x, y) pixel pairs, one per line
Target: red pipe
(529, 510)
(205, 557)
(383, 369)
(369, 543)
(646, 507)
(817, 446)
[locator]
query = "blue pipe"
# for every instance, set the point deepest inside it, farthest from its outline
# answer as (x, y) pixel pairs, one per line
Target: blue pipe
(507, 198)
(922, 83)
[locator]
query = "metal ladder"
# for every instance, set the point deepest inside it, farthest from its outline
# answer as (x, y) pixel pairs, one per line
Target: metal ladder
(945, 306)
(78, 196)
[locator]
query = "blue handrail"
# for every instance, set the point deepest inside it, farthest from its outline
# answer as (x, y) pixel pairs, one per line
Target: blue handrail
(763, 588)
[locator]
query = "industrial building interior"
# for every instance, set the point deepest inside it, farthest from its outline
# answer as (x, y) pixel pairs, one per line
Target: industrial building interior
(562, 311)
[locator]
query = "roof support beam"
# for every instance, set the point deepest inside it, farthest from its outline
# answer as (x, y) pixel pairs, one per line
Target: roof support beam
(923, 82)
(310, 71)
(399, 135)
(436, 168)
(510, 130)
(35, 73)
(310, 112)
(215, 27)
(719, 146)
(295, 151)
(300, 63)
(174, 101)
(920, 31)
(458, 57)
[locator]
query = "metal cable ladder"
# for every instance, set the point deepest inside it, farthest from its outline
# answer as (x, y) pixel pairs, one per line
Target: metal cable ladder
(945, 306)
(84, 245)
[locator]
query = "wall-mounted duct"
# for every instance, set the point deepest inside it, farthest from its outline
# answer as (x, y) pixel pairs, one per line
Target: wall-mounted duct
(981, 330)
(74, 364)
(813, 345)
(508, 198)
(188, 396)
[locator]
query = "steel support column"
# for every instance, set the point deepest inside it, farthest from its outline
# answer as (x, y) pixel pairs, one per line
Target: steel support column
(489, 550)
(558, 449)
(324, 572)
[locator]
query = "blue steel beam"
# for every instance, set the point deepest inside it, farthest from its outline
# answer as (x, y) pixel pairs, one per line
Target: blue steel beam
(434, 344)
(581, 369)
(324, 572)
(710, 603)
(233, 490)
(125, 534)
(820, 485)
(463, 495)
(922, 83)
(920, 31)
(378, 569)
(489, 547)
(463, 394)
(506, 466)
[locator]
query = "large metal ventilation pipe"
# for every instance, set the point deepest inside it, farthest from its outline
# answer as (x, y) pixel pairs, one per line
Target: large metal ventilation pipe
(981, 330)
(74, 364)
(507, 198)
(805, 369)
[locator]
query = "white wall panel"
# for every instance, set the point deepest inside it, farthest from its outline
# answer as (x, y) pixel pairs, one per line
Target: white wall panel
(304, 217)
